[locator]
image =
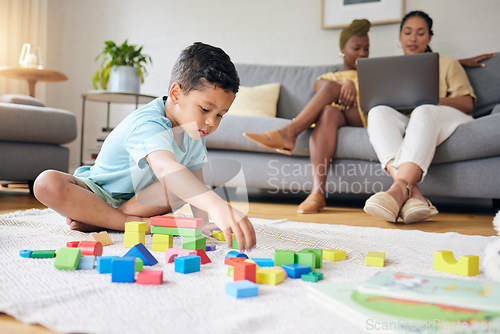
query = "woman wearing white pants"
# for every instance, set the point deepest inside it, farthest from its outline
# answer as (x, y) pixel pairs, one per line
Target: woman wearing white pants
(405, 144)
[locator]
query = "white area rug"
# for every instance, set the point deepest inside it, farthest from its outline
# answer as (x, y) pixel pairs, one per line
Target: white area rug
(33, 291)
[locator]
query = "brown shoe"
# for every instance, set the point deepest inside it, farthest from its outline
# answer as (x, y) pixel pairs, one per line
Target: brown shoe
(271, 140)
(312, 204)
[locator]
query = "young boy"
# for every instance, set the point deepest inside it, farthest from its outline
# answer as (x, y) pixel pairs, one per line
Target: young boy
(151, 162)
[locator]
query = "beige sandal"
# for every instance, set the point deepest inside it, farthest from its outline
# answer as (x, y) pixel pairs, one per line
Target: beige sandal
(382, 205)
(312, 204)
(414, 210)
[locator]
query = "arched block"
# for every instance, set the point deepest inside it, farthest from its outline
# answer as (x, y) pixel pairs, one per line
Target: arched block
(467, 265)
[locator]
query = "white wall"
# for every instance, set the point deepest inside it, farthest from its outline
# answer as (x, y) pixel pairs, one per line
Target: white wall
(257, 31)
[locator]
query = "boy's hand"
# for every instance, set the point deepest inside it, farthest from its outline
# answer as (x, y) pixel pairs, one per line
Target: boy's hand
(228, 219)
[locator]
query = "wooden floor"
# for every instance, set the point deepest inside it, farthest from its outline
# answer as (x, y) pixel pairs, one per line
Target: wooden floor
(465, 217)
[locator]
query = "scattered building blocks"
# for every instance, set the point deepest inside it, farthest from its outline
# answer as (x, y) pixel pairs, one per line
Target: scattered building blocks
(375, 259)
(25, 253)
(245, 271)
(270, 276)
(242, 289)
(306, 258)
(151, 277)
(140, 227)
(134, 238)
(184, 232)
(123, 270)
(139, 265)
(210, 248)
(103, 264)
(334, 254)
(102, 237)
(467, 265)
(318, 253)
(162, 242)
(43, 254)
(313, 276)
(67, 258)
(187, 264)
(264, 262)
(174, 221)
(86, 262)
(203, 256)
(73, 244)
(296, 270)
(143, 253)
(90, 248)
(194, 243)
(218, 235)
(171, 253)
(282, 257)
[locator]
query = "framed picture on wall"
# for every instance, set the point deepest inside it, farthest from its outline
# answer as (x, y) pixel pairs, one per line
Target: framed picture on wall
(340, 13)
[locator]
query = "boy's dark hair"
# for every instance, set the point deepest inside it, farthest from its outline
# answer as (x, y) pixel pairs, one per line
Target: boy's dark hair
(201, 64)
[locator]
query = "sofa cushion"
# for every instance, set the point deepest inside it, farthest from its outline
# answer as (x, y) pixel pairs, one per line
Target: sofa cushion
(23, 123)
(21, 99)
(485, 82)
(260, 101)
(296, 83)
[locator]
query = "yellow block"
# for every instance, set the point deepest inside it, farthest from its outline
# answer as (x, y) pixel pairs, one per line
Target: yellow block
(375, 259)
(270, 276)
(334, 254)
(467, 265)
(134, 238)
(162, 241)
(102, 237)
(136, 226)
(220, 236)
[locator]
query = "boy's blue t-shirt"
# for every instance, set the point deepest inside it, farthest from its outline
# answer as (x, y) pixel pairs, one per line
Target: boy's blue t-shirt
(121, 168)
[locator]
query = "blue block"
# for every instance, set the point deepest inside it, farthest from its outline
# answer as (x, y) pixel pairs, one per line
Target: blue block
(263, 262)
(235, 253)
(103, 265)
(123, 270)
(296, 270)
(25, 253)
(86, 262)
(187, 264)
(142, 252)
(242, 289)
(210, 248)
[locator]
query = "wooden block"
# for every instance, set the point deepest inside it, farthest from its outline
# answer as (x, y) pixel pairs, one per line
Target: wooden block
(67, 258)
(467, 265)
(43, 254)
(242, 289)
(151, 277)
(139, 265)
(172, 253)
(162, 242)
(334, 254)
(313, 276)
(218, 235)
(138, 227)
(306, 258)
(25, 253)
(263, 262)
(104, 264)
(187, 264)
(210, 248)
(134, 238)
(269, 276)
(231, 260)
(90, 248)
(123, 270)
(143, 253)
(194, 243)
(203, 256)
(282, 257)
(296, 270)
(174, 221)
(375, 259)
(86, 262)
(73, 244)
(245, 271)
(102, 237)
(185, 232)
(318, 255)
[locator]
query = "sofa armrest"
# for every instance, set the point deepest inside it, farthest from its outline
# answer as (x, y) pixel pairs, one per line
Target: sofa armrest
(496, 110)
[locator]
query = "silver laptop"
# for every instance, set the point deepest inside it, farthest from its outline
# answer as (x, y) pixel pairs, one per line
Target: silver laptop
(401, 82)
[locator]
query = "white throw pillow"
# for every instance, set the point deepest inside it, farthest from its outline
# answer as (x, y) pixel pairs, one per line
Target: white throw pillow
(256, 101)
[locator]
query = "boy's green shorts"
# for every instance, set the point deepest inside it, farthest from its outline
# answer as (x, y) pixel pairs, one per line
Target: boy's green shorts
(114, 202)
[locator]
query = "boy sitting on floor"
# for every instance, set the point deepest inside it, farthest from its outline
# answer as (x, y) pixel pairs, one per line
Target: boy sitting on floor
(151, 162)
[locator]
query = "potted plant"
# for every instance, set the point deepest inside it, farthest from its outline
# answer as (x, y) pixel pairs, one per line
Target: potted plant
(122, 67)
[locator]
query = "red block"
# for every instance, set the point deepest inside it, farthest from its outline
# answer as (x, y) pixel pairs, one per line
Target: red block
(90, 248)
(73, 244)
(172, 221)
(245, 271)
(230, 261)
(204, 257)
(149, 277)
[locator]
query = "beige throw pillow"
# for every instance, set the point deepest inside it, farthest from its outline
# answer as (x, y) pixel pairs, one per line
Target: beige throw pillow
(256, 101)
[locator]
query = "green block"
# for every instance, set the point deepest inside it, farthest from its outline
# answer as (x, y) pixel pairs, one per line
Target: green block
(43, 254)
(194, 243)
(235, 244)
(282, 257)
(318, 253)
(67, 258)
(185, 232)
(139, 264)
(312, 276)
(306, 258)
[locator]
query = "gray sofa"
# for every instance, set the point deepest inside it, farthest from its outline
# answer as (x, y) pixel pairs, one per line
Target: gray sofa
(31, 138)
(464, 166)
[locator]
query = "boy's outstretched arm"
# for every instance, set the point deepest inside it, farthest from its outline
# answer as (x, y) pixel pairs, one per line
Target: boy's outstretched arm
(178, 180)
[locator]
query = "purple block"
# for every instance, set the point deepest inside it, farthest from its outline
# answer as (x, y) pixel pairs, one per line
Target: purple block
(210, 248)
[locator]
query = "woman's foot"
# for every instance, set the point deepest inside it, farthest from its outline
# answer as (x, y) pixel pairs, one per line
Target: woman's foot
(314, 203)
(417, 208)
(277, 140)
(387, 204)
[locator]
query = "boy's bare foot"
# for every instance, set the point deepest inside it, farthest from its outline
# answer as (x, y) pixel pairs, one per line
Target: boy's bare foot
(82, 227)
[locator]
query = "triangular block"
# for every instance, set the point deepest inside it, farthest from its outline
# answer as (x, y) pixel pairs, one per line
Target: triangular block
(142, 252)
(204, 257)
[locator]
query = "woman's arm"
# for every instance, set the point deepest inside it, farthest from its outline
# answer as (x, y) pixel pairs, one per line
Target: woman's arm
(463, 103)
(476, 61)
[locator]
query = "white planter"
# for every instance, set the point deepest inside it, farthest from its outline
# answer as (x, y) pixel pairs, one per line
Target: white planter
(124, 79)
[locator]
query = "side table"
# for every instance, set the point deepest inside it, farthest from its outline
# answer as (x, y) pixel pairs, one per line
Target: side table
(32, 75)
(110, 97)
